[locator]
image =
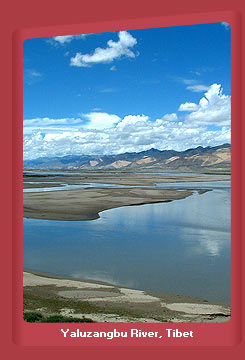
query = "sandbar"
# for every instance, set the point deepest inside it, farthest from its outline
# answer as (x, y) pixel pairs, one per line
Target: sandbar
(86, 204)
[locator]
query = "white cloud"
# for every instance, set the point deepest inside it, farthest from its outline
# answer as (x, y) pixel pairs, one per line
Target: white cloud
(213, 109)
(197, 88)
(226, 25)
(93, 120)
(100, 120)
(188, 107)
(113, 68)
(170, 117)
(114, 50)
(100, 133)
(67, 38)
(108, 134)
(63, 39)
(131, 121)
(51, 125)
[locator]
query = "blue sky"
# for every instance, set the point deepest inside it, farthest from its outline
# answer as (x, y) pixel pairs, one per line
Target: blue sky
(114, 92)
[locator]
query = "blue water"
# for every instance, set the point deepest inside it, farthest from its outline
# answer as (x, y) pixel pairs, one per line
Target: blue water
(181, 247)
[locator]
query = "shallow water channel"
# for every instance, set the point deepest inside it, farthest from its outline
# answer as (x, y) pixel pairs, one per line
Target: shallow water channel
(181, 247)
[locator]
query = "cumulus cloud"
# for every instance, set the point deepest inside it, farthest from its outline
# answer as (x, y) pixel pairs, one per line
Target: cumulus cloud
(188, 107)
(114, 50)
(132, 133)
(170, 117)
(213, 109)
(100, 120)
(100, 133)
(197, 88)
(130, 122)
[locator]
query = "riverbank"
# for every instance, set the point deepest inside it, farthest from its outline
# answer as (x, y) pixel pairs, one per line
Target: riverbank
(101, 302)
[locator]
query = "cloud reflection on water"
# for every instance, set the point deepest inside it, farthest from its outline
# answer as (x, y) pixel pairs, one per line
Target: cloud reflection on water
(180, 247)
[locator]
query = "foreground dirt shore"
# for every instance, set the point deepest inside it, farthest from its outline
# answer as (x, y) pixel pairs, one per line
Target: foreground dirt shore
(101, 302)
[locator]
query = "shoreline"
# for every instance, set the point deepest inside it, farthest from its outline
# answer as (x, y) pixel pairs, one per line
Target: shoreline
(103, 302)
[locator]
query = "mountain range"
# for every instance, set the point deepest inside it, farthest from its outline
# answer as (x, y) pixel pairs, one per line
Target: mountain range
(218, 157)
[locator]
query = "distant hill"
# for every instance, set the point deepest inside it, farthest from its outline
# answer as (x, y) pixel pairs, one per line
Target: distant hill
(218, 157)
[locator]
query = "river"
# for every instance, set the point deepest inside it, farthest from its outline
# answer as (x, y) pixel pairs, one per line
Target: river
(181, 247)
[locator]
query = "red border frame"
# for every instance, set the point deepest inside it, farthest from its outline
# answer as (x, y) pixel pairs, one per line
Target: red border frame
(28, 19)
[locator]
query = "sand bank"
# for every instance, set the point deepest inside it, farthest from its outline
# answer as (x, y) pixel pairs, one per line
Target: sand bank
(86, 204)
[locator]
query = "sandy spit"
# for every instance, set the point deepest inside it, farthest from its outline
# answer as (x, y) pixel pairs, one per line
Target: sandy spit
(86, 204)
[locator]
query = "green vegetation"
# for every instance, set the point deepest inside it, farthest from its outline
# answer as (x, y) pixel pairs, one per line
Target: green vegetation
(54, 304)
(32, 317)
(38, 317)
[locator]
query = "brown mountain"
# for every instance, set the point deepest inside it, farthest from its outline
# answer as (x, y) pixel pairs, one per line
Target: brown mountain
(200, 158)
